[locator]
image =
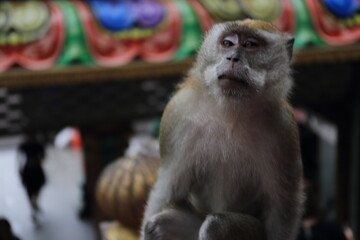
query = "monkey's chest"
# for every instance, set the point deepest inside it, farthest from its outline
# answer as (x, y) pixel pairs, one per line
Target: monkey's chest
(228, 189)
(229, 166)
(235, 148)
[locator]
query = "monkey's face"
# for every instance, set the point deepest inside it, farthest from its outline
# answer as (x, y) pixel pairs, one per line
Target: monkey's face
(234, 75)
(245, 58)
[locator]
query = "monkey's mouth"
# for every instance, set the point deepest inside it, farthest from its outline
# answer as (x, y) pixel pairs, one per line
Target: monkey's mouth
(231, 81)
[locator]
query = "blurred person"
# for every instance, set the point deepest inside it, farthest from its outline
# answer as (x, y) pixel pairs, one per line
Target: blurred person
(313, 226)
(31, 154)
(6, 231)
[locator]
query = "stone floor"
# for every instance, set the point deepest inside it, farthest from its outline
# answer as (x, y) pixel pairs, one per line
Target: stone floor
(60, 199)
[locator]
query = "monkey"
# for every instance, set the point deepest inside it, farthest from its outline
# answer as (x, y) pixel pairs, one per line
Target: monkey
(231, 165)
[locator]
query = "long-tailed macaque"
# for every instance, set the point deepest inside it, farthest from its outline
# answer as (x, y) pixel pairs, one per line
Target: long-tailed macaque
(231, 161)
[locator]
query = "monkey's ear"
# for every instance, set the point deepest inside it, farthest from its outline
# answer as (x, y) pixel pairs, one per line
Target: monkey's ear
(289, 45)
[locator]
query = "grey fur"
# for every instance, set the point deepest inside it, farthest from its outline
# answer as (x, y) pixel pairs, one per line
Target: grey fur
(230, 157)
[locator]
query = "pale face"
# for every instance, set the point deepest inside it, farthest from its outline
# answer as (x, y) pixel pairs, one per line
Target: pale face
(239, 61)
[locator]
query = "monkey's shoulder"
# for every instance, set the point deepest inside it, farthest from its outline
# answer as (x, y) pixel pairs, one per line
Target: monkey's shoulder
(288, 119)
(178, 105)
(175, 112)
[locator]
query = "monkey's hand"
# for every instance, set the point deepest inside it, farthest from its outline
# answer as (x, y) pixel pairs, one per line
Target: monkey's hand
(172, 224)
(171, 187)
(228, 226)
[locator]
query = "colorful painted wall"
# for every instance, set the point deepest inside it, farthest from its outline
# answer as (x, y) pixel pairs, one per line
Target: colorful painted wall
(42, 34)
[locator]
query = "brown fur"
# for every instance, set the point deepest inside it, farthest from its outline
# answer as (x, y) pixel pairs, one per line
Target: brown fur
(229, 143)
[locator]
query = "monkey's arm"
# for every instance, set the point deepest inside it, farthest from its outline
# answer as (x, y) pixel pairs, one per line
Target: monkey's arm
(171, 187)
(174, 179)
(284, 211)
(284, 216)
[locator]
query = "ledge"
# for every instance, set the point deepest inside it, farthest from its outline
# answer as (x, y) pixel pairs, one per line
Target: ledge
(139, 70)
(87, 74)
(327, 54)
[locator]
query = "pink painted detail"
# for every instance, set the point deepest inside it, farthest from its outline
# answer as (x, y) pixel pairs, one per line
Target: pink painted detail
(328, 29)
(40, 54)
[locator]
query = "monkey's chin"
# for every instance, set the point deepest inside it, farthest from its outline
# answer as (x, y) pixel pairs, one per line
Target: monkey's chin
(233, 87)
(232, 84)
(230, 81)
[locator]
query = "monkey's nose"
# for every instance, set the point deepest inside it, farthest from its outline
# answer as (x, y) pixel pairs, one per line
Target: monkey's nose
(233, 59)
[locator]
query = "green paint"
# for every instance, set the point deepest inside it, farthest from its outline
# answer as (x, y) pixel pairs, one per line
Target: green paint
(75, 45)
(304, 32)
(191, 32)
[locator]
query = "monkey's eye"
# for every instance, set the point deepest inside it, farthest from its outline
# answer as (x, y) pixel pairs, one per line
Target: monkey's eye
(250, 43)
(230, 40)
(227, 43)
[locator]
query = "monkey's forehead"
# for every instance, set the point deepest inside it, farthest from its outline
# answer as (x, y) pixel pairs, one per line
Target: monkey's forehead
(251, 24)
